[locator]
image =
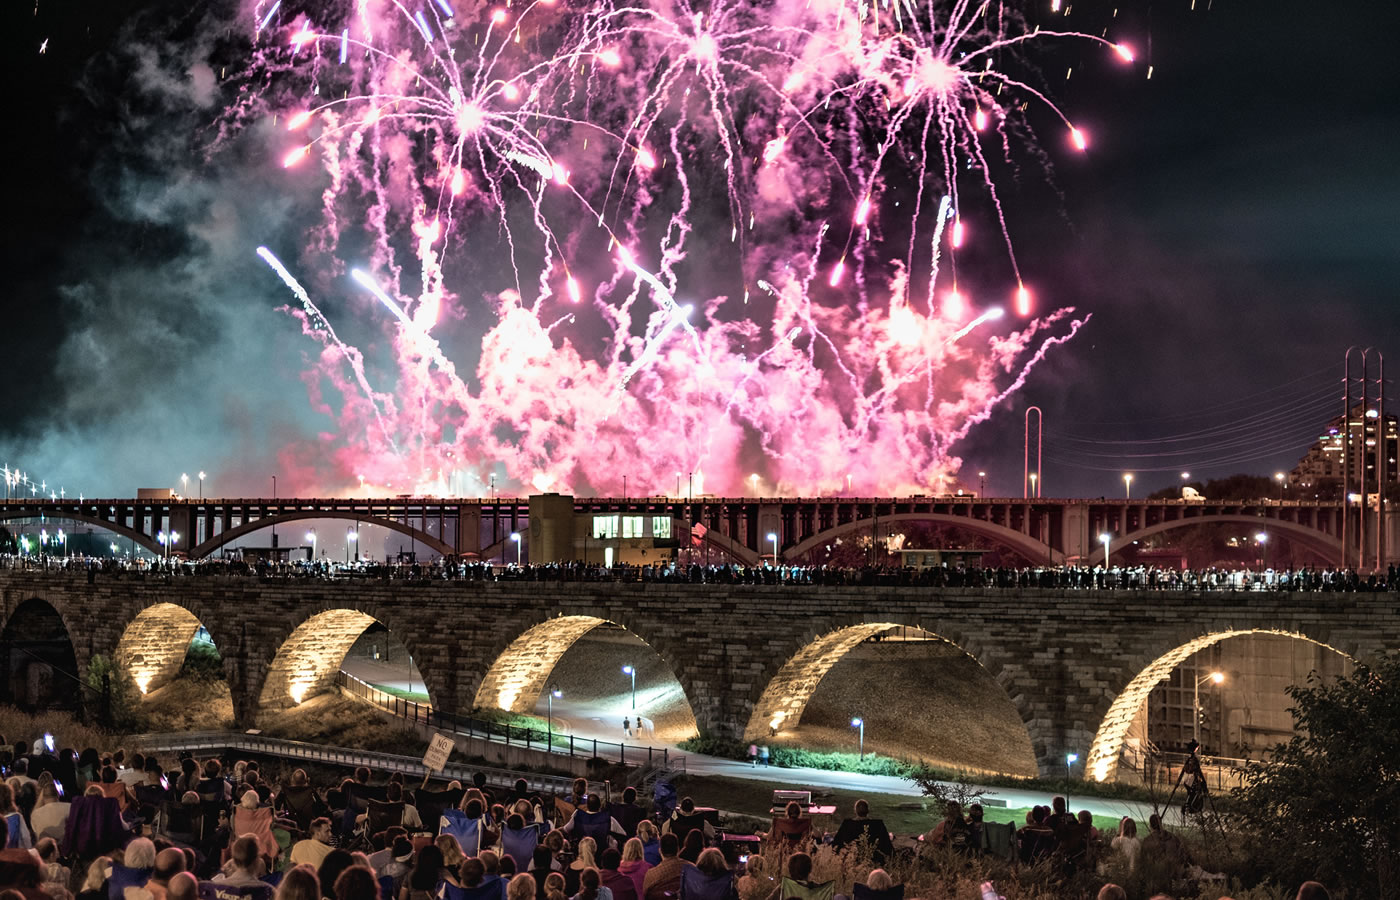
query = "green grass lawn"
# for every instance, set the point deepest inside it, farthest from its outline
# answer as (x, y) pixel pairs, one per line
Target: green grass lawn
(415, 696)
(902, 814)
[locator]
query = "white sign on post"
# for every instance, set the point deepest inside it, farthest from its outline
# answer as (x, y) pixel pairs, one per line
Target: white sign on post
(438, 750)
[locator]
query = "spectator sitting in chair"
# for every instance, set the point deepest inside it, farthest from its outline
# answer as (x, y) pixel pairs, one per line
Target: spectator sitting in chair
(50, 815)
(862, 827)
(685, 819)
(796, 886)
(792, 828)
(665, 879)
(245, 867)
(314, 849)
(169, 863)
(54, 874)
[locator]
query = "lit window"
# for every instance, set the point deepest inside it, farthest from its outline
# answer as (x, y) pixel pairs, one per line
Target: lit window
(661, 527)
(633, 526)
(605, 526)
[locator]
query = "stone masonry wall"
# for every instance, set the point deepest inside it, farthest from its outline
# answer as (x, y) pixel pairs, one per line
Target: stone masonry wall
(1062, 657)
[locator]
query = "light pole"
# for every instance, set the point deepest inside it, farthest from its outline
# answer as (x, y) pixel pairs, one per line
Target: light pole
(1104, 539)
(1279, 477)
(859, 723)
(1034, 491)
(753, 482)
(311, 536)
(202, 476)
(1128, 486)
(1262, 539)
(274, 520)
(184, 483)
(773, 536)
(632, 670)
(981, 485)
(1214, 678)
(515, 536)
(1070, 760)
(554, 693)
(349, 539)
(43, 541)
(63, 539)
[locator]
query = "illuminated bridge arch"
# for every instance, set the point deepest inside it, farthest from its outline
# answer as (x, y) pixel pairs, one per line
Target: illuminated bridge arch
(1325, 545)
(153, 645)
(308, 660)
(1024, 544)
(520, 672)
(130, 534)
(211, 545)
(1102, 764)
(788, 691)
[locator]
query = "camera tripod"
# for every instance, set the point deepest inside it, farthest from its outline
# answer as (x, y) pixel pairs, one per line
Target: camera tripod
(1198, 796)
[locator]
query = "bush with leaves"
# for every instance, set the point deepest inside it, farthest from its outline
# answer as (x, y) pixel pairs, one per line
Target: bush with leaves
(1327, 806)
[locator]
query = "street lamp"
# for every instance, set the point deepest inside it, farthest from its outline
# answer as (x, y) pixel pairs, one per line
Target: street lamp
(515, 536)
(202, 476)
(860, 723)
(1262, 539)
(981, 485)
(113, 548)
(1104, 539)
(1279, 477)
(311, 536)
(1213, 678)
(753, 480)
(554, 693)
(1034, 492)
(184, 483)
(1128, 486)
(349, 539)
(63, 539)
(773, 536)
(1070, 760)
(632, 670)
(167, 541)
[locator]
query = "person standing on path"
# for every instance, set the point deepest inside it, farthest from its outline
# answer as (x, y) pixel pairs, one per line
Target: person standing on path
(627, 727)
(753, 756)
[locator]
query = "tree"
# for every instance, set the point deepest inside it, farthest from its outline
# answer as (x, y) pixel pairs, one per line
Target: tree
(1328, 805)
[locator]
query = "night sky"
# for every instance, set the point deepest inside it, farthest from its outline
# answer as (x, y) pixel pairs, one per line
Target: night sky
(1233, 227)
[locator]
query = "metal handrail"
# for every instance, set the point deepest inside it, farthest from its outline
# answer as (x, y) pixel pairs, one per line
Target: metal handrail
(342, 756)
(514, 736)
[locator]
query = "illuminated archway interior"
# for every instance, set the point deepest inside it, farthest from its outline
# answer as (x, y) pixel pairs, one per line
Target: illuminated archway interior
(309, 660)
(153, 647)
(585, 657)
(907, 686)
(1127, 708)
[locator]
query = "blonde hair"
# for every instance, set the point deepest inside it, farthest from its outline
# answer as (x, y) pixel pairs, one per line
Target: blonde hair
(754, 866)
(96, 874)
(632, 851)
(587, 850)
(452, 854)
(646, 830)
(521, 887)
(1127, 827)
(879, 880)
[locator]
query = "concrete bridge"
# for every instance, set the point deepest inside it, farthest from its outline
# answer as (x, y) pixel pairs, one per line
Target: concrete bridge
(556, 527)
(1077, 665)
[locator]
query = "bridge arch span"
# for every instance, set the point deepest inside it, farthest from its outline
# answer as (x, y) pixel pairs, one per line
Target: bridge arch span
(1107, 747)
(307, 658)
(130, 534)
(1309, 537)
(789, 685)
(212, 544)
(39, 656)
(1024, 544)
(519, 672)
(154, 642)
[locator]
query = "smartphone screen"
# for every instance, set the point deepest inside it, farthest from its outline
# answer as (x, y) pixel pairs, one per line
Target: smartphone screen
(48, 741)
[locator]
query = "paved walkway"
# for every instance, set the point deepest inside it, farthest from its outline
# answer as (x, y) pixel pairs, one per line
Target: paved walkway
(589, 721)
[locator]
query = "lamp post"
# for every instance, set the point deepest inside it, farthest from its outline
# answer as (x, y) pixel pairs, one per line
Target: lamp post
(515, 536)
(753, 482)
(1262, 539)
(1034, 491)
(311, 536)
(554, 693)
(981, 485)
(63, 539)
(202, 476)
(1213, 678)
(859, 723)
(1070, 760)
(632, 670)
(773, 536)
(349, 539)
(184, 483)
(1128, 486)
(43, 541)
(1281, 479)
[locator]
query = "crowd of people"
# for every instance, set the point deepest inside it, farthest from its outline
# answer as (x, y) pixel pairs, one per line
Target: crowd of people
(95, 826)
(1060, 578)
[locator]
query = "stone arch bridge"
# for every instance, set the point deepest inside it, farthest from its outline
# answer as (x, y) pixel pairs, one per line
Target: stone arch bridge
(1077, 665)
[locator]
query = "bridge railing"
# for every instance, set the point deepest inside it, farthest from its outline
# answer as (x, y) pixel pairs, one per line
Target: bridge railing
(208, 741)
(511, 735)
(1163, 769)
